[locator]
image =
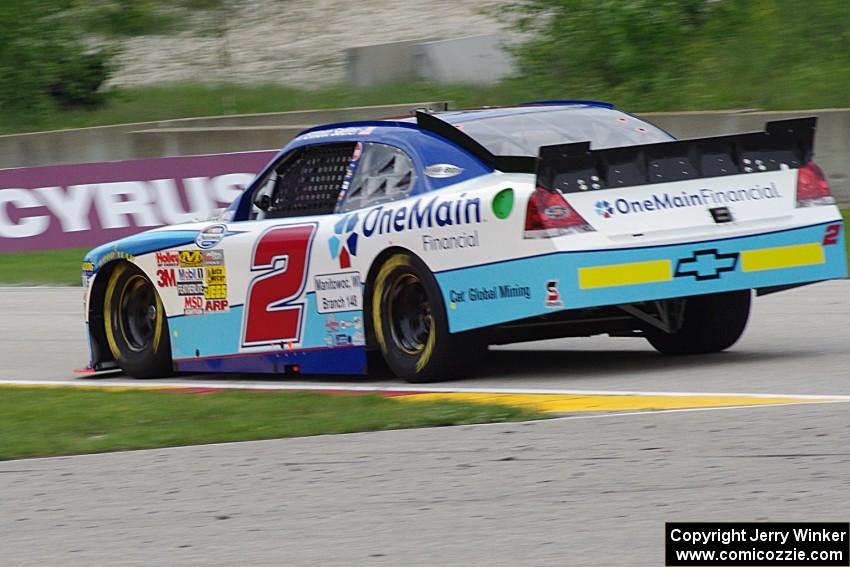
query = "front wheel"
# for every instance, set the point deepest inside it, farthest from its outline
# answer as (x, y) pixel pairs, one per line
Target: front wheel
(710, 323)
(411, 327)
(135, 324)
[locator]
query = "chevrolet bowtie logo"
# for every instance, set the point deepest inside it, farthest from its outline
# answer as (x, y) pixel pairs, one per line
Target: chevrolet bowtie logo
(706, 265)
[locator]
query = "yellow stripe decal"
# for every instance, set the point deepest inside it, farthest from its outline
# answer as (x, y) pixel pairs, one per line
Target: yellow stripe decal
(569, 403)
(625, 274)
(782, 257)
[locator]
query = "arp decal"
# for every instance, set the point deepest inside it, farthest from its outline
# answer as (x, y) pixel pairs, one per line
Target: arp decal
(273, 313)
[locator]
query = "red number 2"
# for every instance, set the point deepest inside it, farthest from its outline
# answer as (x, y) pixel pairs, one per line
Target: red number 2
(282, 253)
(832, 232)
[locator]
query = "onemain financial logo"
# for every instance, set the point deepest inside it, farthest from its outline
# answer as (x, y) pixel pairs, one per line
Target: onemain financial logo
(703, 197)
(422, 214)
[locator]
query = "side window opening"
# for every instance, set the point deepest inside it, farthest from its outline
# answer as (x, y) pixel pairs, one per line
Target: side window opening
(307, 182)
(384, 173)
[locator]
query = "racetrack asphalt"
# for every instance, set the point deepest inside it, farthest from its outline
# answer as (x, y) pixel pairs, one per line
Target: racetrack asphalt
(588, 489)
(797, 342)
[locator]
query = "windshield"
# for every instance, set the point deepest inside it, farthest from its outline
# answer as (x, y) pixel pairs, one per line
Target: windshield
(522, 131)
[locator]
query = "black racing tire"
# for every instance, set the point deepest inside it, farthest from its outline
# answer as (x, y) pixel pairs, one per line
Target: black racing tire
(135, 324)
(711, 323)
(410, 325)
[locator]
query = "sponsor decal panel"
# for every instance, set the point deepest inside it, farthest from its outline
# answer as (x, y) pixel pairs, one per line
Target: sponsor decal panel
(423, 213)
(190, 275)
(553, 295)
(686, 199)
(338, 292)
(343, 243)
(443, 170)
(343, 331)
(433, 243)
(211, 236)
(191, 259)
(167, 259)
(201, 279)
(501, 292)
(165, 277)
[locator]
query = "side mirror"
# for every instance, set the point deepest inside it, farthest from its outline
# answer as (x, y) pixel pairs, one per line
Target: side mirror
(263, 202)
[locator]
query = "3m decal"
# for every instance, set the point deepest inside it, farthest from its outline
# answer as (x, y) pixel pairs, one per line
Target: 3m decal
(166, 277)
(191, 259)
(553, 295)
(272, 313)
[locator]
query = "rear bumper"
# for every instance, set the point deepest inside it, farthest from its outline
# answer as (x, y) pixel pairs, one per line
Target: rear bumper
(486, 295)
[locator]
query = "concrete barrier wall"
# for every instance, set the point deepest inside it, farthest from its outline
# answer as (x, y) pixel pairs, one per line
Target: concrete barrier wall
(149, 139)
(222, 134)
(480, 59)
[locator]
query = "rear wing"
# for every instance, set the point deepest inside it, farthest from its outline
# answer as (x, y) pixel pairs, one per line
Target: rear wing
(575, 167)
(572, 168)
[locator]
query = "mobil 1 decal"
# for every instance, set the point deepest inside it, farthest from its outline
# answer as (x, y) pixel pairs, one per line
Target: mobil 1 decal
(274, 306)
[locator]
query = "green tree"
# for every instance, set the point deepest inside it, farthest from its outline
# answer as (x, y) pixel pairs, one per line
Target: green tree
(44, 59)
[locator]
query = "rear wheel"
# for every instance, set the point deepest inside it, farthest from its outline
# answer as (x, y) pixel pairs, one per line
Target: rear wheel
(135, 324)
(411, 327)
(710, 323)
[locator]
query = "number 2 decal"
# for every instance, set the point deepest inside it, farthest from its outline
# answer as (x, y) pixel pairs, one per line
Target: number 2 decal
(832, 232)
(271, 315)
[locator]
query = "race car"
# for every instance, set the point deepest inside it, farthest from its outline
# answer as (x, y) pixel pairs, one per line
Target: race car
(424, 239)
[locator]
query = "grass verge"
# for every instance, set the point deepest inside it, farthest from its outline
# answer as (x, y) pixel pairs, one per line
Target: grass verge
(40, 422)
(62, 267)
(53, 267)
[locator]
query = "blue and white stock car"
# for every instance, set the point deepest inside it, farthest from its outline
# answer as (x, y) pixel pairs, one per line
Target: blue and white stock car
(428, 238)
